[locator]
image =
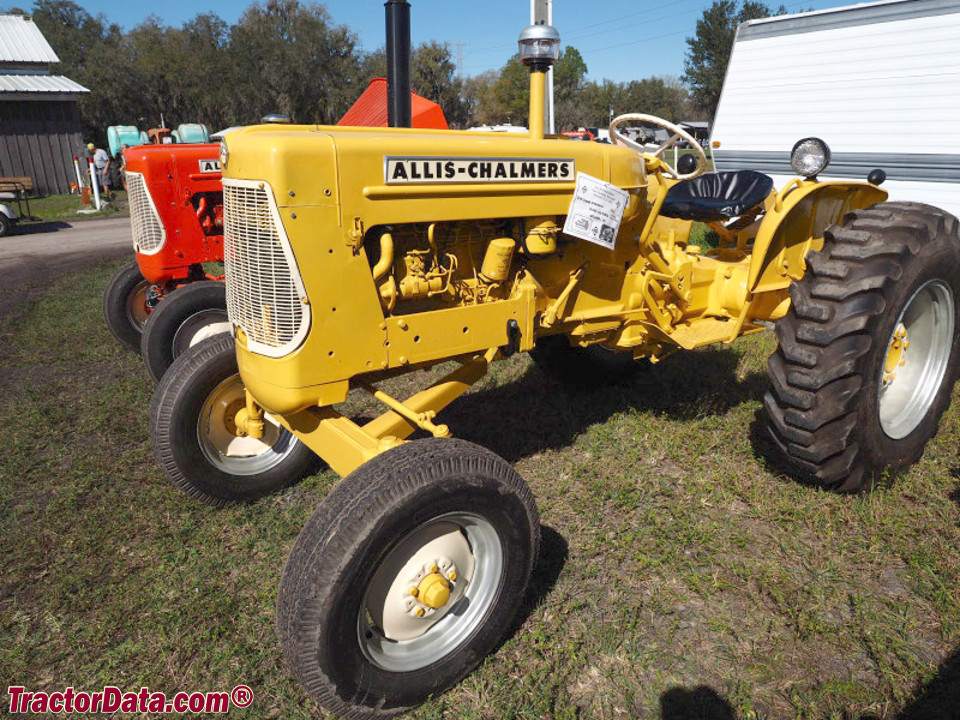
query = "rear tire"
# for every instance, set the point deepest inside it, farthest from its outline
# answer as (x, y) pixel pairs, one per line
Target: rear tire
(432, 505)
(4, 225)
(842, 407)
(125, 308)
(187, 316)
(190, 429)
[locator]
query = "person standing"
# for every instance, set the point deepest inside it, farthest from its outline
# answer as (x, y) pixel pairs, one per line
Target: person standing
(101, 161)
(122, 160)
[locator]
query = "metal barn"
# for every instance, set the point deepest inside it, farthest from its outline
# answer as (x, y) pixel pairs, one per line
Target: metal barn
(40, 129)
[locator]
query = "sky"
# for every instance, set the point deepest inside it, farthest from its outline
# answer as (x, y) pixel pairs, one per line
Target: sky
(618, 40)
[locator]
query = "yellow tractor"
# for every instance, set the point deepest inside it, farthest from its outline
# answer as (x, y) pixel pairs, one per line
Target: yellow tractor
(354, 255)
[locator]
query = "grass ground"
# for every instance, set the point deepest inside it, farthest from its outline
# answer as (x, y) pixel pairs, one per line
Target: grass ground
(680, 577)
(68, 207)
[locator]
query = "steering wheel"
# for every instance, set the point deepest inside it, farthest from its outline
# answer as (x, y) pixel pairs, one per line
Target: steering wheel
(678, 134)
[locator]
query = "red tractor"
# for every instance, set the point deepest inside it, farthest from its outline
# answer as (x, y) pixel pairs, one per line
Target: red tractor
(176, 216)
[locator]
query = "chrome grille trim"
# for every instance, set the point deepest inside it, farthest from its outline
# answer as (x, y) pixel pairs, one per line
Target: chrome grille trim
(265, 293)
(149, 235)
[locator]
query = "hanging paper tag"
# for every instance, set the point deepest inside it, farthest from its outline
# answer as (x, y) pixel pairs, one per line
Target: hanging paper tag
(596, 211)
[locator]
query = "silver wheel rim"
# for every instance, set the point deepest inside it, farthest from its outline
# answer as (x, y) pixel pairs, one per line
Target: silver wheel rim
(235, 455)
(916, 360)
(198, 327)
(459, 621)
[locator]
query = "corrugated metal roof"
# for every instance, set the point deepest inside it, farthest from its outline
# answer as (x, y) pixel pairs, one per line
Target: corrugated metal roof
(39, 84)
(22, 41)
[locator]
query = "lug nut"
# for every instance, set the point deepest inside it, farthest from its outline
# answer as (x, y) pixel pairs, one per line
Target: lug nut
(434, 568)
(452, 575)
(413, 591)
(418, 612)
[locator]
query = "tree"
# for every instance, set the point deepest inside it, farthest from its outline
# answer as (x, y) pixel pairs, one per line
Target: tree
(569, 79)
(708, 51)
(511, 93)
(288, 57)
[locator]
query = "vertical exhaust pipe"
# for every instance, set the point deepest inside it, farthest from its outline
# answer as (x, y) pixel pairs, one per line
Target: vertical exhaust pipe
(399, 113)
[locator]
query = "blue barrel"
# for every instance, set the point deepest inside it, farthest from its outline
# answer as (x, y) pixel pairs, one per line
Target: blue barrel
(120, 135)
(193, 133)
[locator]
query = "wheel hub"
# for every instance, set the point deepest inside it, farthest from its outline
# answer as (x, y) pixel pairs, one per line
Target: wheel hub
(223, 427)
(230, 417)
(896, 353)
(434, 590)
(426, 578)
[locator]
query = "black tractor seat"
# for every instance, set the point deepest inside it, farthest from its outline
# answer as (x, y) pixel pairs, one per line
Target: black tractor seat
(716, 196)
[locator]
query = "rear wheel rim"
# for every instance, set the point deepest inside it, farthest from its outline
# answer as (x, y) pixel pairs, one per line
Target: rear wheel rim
(468, 607)
(916, 361)
(228, 452)
(198, 327)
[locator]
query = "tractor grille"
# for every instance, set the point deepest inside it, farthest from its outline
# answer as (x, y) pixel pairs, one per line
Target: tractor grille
(148, 232)
(265, 297)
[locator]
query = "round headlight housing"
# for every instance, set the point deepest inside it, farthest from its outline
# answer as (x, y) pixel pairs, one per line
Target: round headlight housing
(224, 153)
(810, 157)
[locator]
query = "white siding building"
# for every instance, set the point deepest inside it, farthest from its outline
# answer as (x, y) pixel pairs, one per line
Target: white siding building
(879, 82)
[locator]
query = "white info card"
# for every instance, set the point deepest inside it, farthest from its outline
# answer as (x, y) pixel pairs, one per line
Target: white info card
(596, 211)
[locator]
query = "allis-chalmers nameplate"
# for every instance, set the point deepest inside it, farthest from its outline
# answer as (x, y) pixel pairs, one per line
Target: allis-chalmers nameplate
(411, 170)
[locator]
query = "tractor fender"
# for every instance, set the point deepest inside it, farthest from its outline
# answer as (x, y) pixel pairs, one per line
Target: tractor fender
(794, 224)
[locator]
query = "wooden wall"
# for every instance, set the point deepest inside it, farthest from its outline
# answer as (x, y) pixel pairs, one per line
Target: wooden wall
(39, 139)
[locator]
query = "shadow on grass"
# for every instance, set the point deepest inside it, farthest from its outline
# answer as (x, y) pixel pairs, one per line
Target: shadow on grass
(701, 703)
(536, 413)
(938, 699)
(955, 493)
(550, 562)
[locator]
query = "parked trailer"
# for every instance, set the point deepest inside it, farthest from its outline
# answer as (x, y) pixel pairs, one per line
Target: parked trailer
(879, 82)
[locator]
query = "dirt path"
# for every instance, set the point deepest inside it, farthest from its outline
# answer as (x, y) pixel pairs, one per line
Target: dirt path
(34, 255)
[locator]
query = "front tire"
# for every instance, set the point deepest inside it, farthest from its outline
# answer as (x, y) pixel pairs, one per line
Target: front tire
(192, 434)
(869, 348)
(189, 315)
(353, 632)
(125, 308)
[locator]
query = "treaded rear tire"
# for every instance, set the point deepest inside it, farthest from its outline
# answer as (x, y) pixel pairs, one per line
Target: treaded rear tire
(174, 422)
(822, 409)
(157, 344)
(116, 299)
(335, 555)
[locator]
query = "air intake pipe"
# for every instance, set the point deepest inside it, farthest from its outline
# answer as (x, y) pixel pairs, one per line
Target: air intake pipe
(399, 113)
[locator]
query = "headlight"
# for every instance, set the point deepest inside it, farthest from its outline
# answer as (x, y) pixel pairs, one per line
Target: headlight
(224, 153)
(810, 157)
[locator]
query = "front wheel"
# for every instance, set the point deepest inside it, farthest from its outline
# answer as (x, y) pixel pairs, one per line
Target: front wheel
(869, 348)
(186, 317)
(195, 438)
(407, 575)
(125, 307)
